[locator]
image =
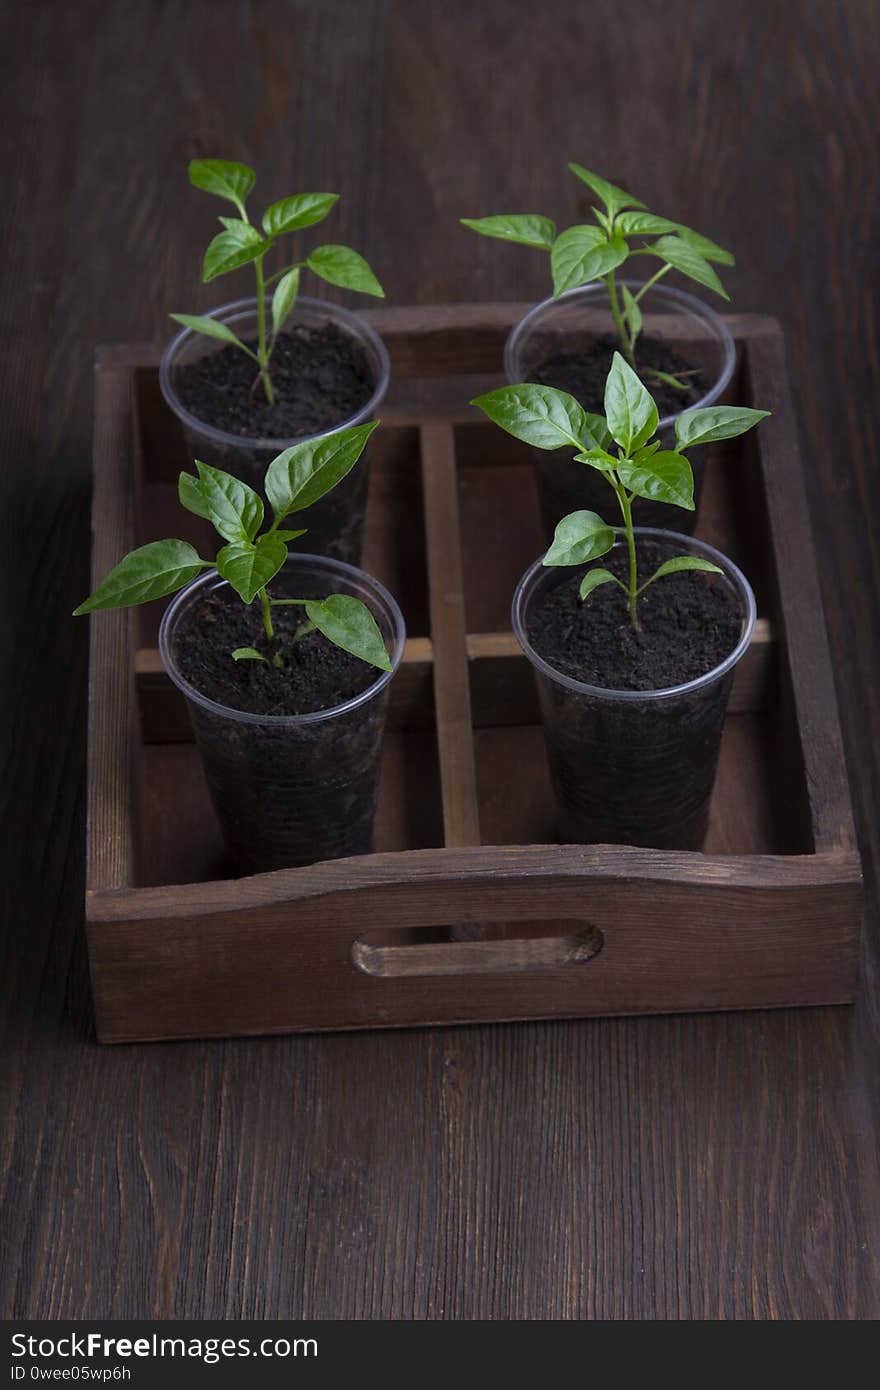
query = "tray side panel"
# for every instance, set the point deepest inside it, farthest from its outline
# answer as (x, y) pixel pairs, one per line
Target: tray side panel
(113, 732)
(808, 683)
(676, 933)
(448, 635)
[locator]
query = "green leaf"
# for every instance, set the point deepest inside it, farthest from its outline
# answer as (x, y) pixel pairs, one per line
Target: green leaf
(682, 256)
(582, 254)
(249, 567)
(605, 222)
(291, 535)
(593, 578)
(349, 624)
(234, 509)
(613, 197)
(677, 565)
(595, 431)
(713, 423)
(647, 451)
(211, 328)
(525, 228)
(301, 210)
(339, 265)
(146, 573)
(709, 250)
(644, 224)
(579, 537)
(675, 382)
(190, 495)
(305, 472)
(629, 409)
(247, 654)
(230, 249)
(664, 477)
(223, 177)
(284, 299)
(538, 415)
(632, 314)
(597, 458)
(235, 224)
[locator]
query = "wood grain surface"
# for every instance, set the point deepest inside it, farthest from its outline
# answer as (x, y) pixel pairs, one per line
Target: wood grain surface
(681, 1167)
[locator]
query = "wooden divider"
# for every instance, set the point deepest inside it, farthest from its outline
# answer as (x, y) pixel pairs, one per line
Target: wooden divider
(455, 745)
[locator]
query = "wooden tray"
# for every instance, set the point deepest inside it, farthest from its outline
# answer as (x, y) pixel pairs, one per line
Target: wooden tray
(467, 911)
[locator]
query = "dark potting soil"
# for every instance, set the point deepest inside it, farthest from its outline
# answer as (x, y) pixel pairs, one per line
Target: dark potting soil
(689, 623)
(321, 377)
(582, 374)
(316, 674)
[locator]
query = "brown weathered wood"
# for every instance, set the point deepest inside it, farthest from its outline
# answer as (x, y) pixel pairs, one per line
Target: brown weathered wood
(807, 672)
(680, 932)
(449, 636)
(112, 709)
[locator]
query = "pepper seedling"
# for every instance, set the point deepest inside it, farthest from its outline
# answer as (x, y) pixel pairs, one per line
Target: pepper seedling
(585, 252)
(251, 558)
(550, 419)
(241, 243)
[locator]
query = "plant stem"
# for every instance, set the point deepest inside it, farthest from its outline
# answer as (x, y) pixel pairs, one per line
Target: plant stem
(277, 274)
(268, 628)
(262, 346)
(265, 604)
(632, 589)
(664, 269)
(622, 334)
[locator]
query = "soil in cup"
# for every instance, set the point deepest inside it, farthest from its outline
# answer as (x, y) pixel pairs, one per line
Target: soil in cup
(583, 373)
(689, 623)
(321, 376)
(316, 674)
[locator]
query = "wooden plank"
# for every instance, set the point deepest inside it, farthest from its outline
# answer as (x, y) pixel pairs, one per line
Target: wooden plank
(273, 953)
(809, 682)
(448, 634)
(112, 702)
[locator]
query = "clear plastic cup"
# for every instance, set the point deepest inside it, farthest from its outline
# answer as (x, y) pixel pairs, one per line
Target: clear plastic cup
(634, 767)
(292, 789)
(335, 523)
(571, 323)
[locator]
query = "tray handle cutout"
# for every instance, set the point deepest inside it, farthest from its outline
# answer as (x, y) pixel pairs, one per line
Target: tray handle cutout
(376, 955)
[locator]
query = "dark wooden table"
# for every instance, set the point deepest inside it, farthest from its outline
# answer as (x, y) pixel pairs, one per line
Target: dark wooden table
(694, 1167)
